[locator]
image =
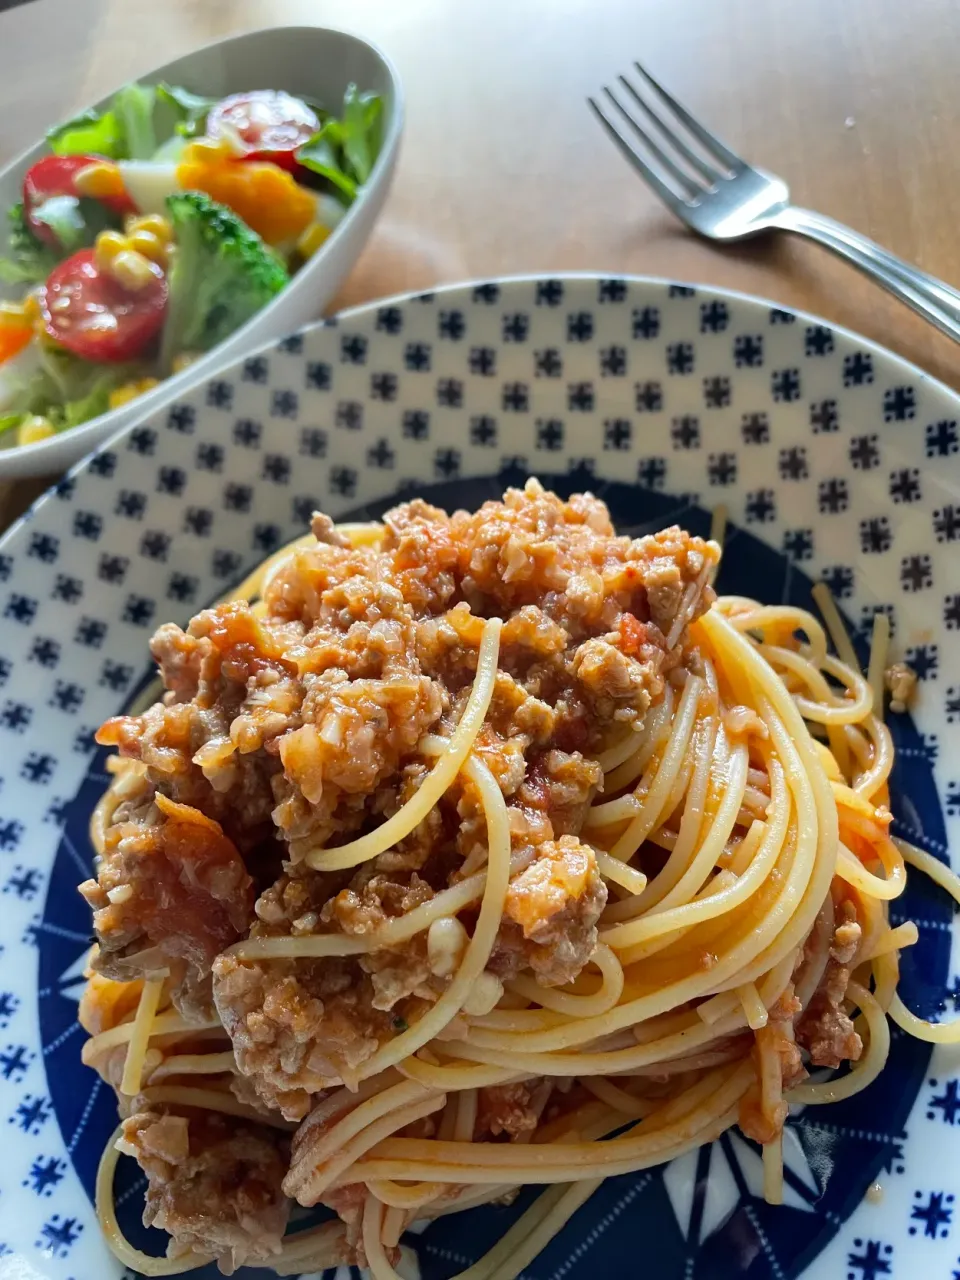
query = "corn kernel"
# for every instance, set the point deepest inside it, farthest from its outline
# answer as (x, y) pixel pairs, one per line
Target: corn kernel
(130, 390)
(155, 223)
(108, 245)
(131, 270)
(120, 396)
(34, 428)
(184, 360)
(99, 180)
(311, 239)
(149, 245)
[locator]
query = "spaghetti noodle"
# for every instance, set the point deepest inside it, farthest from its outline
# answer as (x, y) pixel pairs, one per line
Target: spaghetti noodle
(548, 846)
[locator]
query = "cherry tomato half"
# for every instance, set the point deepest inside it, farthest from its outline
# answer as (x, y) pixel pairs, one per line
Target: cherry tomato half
(91, 315)
(271, 124)
(54, 176)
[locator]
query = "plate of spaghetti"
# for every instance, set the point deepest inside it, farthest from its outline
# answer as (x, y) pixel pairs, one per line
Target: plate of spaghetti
(504, 742)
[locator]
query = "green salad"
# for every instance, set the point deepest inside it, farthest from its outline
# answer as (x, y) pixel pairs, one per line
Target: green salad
(154, 229)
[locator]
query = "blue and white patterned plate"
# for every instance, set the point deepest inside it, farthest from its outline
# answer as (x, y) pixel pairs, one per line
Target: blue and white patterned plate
(836, 460)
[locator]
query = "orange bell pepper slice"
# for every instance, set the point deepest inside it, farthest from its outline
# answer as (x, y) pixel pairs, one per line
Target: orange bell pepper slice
(265, 196)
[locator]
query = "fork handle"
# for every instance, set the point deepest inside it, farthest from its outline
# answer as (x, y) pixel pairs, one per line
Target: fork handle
(935, 301)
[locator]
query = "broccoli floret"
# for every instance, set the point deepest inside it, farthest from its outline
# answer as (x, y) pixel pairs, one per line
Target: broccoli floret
(28, 260)
(222, 274)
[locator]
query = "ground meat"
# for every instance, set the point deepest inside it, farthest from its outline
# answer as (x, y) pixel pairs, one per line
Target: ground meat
(825, 1030)
(324, 530)
(561, 784)
(400, 972)
(298, 1026)
(213, 1182)
(231, 692)
(551, 914)
(347, 1203)
(563, 559)
(192, 991)
(180, 659)
(366, 905)
(371, 900)
(296, 726)
(620, 686)
(171, 886)
(357, 734)
(575, 564)
(901, 681)
(423, 555)
(295, 719)
(512, 1109)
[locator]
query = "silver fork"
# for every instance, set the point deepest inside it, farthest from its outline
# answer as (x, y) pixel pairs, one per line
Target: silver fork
(719, 195)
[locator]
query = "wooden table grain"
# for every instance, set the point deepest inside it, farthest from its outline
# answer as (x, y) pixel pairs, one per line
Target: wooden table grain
(504, 170)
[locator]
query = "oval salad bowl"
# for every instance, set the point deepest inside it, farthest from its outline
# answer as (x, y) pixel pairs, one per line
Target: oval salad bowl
(172, 131)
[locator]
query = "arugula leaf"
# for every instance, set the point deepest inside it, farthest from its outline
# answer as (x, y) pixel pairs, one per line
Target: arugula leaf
(323, 155)
(344, 151)
(186, 112)
(99, 132)
(361, 116)
(133, 106)
(10, 420)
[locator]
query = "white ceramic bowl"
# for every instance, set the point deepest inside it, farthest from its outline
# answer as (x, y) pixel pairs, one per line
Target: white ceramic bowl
(315, 61)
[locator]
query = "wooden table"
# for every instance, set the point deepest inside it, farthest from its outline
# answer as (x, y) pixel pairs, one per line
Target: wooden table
(504, 170)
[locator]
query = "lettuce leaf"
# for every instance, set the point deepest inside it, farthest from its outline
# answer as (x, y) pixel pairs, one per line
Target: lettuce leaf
(184, 113)
(95, 402)
(98, 132)
(28, 388)
(138, 120)
(133, 106)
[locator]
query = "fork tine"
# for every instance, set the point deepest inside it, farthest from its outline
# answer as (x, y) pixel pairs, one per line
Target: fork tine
(668, 196)
(696, 162)
(712, 143)
(683, 180)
